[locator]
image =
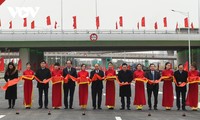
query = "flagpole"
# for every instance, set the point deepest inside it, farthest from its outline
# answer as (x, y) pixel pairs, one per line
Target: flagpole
(96, 10)
(199, 15)
(61, 15)
(96, 7)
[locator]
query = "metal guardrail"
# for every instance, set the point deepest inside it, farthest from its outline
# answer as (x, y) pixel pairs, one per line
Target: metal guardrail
(92, 31)
(113, 55)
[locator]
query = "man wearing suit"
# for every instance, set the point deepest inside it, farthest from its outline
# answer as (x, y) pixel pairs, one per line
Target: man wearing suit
(42, 74)
(125, 76)
(97, 87)
(70, 86)
(180, 76)
(152, 88)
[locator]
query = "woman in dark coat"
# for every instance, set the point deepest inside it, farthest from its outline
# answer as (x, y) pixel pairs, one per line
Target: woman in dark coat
(11, 93)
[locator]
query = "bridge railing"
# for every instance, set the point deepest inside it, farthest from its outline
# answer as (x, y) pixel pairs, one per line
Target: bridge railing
(93, 31)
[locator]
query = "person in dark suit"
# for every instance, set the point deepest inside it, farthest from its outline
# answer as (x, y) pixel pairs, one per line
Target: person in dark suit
(11, 93)
(70, 86)
(181, 76)
(125, 77)
(152, 88)
(42, 74)
(97, 87)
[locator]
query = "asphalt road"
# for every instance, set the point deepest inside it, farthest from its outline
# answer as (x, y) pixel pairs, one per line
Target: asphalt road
(76, 113)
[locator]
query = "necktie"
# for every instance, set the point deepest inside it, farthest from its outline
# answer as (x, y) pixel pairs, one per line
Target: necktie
(152, 72)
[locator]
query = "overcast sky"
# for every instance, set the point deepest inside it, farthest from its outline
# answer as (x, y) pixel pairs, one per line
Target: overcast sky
(108, 10)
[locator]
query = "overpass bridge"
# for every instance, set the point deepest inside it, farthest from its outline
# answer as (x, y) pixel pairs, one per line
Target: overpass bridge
(79, 40)
(32, 44)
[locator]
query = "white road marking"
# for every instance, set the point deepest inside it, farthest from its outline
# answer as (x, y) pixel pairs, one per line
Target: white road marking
(174, 97)
(1, 116)
(118, 118)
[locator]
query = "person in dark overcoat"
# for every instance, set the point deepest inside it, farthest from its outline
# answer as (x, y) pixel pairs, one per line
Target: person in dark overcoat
(11, 93)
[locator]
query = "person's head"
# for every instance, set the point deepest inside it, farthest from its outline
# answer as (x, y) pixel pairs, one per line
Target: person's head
(180, 67)
(167, 65)
(124, 66)
(193, 66)
(152, 67)
(110, 65)
(139, 66)
(96, 66)
(11, 67)
(69, 63)
(56, 66)
(43, 64)
(28, 65)
(83, 66)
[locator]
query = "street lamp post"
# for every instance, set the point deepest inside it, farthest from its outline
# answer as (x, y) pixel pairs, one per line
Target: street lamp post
(189, 41)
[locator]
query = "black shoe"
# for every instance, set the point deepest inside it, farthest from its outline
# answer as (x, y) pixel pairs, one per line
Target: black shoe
(66, 108)
(46, 107)
(40, 107)
(178, 108)
(155, 108)
(99, 108)
(128, 108)
(121, 108)
(9, 107)
(13, 107)
(28, 107)
(111, 108)
(149, 108)
(71, 108)
(184, 109)
(94, 108)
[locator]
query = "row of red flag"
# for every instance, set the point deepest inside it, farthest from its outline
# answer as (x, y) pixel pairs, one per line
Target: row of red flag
(2, 64)
(143, 23)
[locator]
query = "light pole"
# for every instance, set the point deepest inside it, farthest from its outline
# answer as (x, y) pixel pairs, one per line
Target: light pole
(61, 15)
(189, 41)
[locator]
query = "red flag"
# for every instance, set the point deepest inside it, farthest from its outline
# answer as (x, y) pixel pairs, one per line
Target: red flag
(51, 68)
(48, 20)
(156, 26)
(25, 22)
(55, 25)
(2, 1)
(165, 21)
(19, 67)
(97, 22)
(138, 25)
(74, 22)
(143, 22)
(33, 25)
(121, 21)
(10, 27)
(186, 22)
(116, 25)
(1, 64)
(177, 26)
(186, 66)
(192, 26)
